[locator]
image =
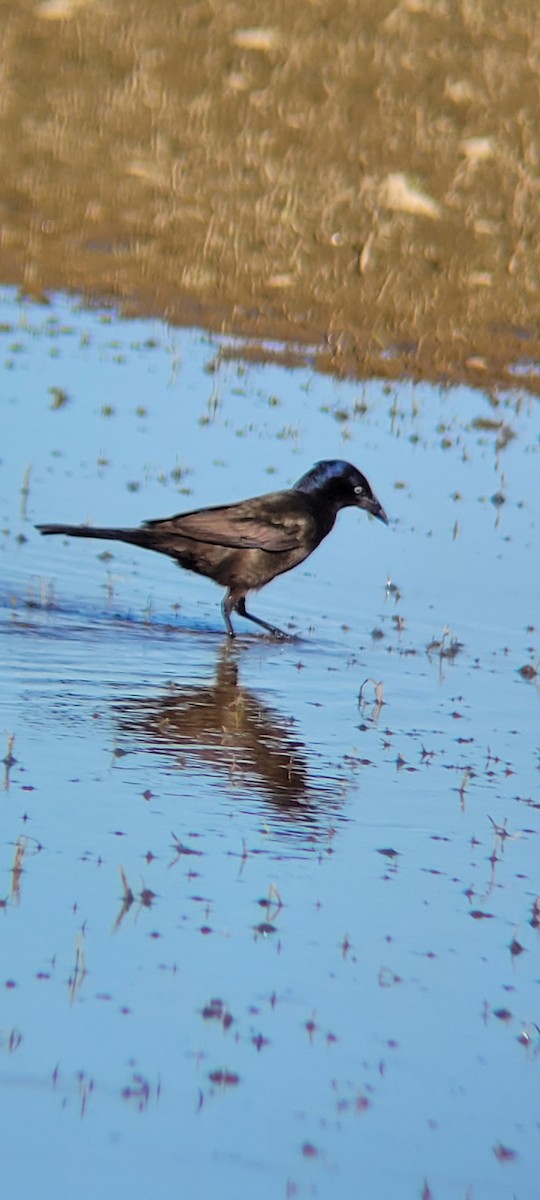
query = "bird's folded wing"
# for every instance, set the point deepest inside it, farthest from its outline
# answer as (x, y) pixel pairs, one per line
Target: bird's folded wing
(226, 527)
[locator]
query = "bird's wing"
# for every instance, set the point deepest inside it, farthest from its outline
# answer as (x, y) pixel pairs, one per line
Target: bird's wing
(233, 527)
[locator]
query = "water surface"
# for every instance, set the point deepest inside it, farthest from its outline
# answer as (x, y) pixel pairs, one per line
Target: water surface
(270, 909)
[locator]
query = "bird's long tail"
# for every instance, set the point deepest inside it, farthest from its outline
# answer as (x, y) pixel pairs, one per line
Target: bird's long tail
(138, 537)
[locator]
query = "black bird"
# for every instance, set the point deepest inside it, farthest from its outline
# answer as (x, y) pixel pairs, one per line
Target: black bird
(243, 546)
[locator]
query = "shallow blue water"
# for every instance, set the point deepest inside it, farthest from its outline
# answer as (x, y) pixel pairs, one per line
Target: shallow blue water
(318, 974)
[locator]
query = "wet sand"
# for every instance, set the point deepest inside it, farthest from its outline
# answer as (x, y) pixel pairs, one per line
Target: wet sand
(359, 183)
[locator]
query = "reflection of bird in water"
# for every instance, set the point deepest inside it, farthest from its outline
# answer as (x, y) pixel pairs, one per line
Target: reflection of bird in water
(228, 729)
(243, 546)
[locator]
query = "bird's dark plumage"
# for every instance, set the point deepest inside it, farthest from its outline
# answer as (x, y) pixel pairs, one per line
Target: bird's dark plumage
(243, 546)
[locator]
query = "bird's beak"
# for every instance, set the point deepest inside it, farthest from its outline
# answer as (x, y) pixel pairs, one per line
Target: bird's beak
(375, 509)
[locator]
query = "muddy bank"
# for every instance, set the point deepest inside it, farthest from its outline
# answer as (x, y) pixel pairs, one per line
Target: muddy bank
(361, 178)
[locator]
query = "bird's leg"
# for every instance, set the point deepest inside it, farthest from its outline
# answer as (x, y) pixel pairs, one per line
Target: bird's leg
(226, 608)
(240, 607)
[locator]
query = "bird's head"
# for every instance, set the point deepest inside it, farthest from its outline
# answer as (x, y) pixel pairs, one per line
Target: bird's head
(341, 484)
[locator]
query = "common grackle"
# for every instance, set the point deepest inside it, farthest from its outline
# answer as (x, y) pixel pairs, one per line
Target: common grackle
(243, 546)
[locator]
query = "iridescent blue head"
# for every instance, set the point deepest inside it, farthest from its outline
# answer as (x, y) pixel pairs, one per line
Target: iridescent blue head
(341, 485)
